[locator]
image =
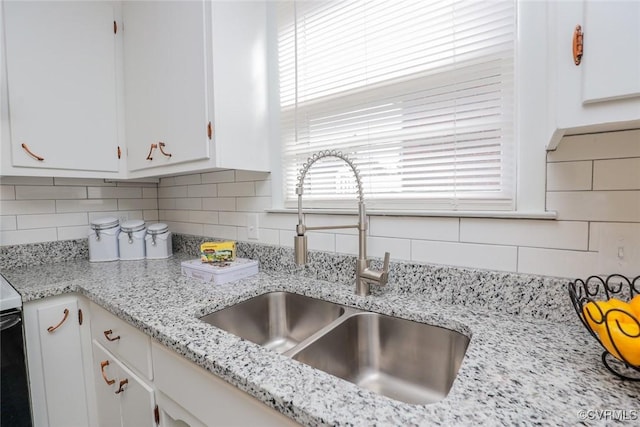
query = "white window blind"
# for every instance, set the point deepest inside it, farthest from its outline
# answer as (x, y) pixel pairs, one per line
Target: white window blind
(418, 93)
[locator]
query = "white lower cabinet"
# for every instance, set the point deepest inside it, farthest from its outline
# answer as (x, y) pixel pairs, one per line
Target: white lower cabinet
(191, 396)
(123, 398)
(58, 344)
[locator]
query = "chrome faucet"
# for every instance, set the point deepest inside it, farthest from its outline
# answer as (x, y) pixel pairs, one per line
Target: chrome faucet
(365, 276)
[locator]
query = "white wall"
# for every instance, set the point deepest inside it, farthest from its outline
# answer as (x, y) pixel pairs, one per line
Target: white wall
(40, 209)
(593, 182)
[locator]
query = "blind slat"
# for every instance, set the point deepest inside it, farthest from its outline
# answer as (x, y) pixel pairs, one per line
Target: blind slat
(419, 94)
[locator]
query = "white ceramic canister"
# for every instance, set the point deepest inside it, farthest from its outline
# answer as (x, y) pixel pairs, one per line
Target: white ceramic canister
(131, 240)
(158, 241)
(103, 239)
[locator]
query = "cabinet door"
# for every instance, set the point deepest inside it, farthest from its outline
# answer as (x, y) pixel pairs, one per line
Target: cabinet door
(611, 66)
(105, 372)
(166, 87)
(603, 92)
(123, 398)
(55, 356)
(61, 73)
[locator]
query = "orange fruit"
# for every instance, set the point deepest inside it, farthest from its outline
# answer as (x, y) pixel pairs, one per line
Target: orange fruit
(594, 312)
(626, 337)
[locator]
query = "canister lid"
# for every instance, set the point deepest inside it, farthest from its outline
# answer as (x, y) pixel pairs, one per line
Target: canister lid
(104, 223)
(132, 225)
(158, 228)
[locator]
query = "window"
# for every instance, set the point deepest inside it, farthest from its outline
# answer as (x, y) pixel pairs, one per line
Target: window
(419, 94)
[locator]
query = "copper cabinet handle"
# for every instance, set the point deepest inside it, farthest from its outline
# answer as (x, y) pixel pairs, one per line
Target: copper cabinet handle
(153, 147)
(103, 365)
(578, 44)
(35, 156)
(122, 384)
(50, 329)
(162, 145)
(108, 337)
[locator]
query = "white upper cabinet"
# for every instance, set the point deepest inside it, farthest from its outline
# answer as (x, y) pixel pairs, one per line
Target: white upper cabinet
(61, 88)
(602, 92)
(195, 86)
(165, 54)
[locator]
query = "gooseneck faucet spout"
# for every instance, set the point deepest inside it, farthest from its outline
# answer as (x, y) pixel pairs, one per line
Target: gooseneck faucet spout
(364, 275)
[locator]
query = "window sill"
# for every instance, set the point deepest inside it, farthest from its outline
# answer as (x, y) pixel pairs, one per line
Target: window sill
(549, 215)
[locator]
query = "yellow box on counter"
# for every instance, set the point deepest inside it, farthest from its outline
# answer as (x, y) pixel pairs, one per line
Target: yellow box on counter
(211, 252)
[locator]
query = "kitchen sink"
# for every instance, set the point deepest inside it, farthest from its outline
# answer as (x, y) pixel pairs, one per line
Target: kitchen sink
(404, 360)
(408, 361)
(276, 320)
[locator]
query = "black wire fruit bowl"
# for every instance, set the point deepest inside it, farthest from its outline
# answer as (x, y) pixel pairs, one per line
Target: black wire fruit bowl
(610, 310)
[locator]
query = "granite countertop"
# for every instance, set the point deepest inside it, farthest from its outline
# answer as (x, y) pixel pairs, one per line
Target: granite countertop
(517, 369)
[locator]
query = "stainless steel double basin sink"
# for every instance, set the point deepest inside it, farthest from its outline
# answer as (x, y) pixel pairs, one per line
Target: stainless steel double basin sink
(404, 360)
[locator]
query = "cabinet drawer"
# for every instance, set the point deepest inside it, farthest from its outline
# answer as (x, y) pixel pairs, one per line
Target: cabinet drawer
(123, 340)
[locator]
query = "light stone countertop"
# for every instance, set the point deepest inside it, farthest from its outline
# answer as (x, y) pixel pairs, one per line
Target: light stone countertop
(518, 370)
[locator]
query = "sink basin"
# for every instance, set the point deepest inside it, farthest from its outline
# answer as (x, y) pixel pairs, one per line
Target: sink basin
(404, 360)
(276, 320)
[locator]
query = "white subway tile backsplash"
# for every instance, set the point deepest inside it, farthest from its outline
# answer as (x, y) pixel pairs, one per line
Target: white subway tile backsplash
(619, 174)
(560, 263)
(25, 180)
(150, 215)
(52, 220)
(90, 205)
(15, 207)
(174, 215)
(608, 206)
(238, 219)
(7, 192)
(253, 204)
(149, 193)
(204, 217)
(172, 192)
(167, 181)
(611, 145)
(278, 220)
(286, 238)
(221, 231)
(185, 228)
(314, 220)
(491, 257)
(77, 232)
(263, 188)
(320, 241)
(114, 192)
(202, 190)
(266, 236)
(427, 228)
(218, 176)
(191, 203)
(219, 204)
(188, 179)
(8, 222)
(569, 176)
(517, 232)
(242, 175)
(135, 204)
(121, 215)
(83, 182)
(399, 249)
(597, 229)
(38, 192)
(21, 237)
(236, 189)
